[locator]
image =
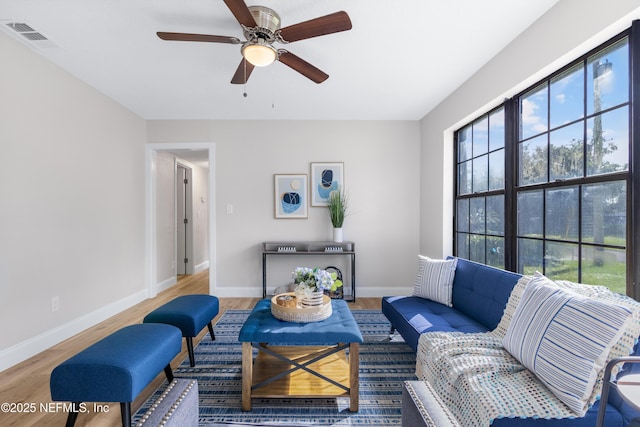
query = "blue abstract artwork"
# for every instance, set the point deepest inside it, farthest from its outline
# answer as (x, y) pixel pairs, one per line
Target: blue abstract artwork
(291, 202)
(325, 178)
(290, 196)
(327, 184)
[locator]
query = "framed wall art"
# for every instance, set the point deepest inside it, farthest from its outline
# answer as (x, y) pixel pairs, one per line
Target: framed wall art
(325, 178)
(290, 194)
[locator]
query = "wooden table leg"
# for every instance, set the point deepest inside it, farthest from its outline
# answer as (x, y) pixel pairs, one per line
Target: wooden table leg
(247, 375)
(354, 376)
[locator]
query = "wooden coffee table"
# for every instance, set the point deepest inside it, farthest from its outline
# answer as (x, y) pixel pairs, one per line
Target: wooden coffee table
(300, 360)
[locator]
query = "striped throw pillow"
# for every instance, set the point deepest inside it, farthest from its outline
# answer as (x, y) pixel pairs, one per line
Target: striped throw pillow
(564, 338)
(435, 279)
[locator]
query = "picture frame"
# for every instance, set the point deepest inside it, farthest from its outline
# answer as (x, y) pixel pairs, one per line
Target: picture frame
(290, 195)
(325, 178)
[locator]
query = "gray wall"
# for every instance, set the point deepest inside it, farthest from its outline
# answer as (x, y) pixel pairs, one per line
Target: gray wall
(382, 170)
(72, 214)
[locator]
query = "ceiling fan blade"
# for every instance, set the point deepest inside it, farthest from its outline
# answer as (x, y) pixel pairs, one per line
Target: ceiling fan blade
(302, 66)
(243, 72)
(241, 12)
(197, 38)
(328, 24)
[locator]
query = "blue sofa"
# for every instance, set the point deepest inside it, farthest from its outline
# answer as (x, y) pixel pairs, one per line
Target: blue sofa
(479, 297)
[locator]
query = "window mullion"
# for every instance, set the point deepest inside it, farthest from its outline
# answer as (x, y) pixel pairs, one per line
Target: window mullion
(633, 213)
(511, 173)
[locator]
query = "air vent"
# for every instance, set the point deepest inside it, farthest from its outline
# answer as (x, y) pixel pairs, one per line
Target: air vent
(32, 35)
(21, 27)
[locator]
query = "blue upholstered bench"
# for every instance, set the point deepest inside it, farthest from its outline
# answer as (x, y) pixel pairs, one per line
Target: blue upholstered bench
(116, 368)
(189, 313)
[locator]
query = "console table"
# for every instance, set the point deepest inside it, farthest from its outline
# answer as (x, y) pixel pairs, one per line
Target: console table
(347, 249)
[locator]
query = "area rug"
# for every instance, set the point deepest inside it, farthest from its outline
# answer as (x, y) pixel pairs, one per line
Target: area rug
(384, 364)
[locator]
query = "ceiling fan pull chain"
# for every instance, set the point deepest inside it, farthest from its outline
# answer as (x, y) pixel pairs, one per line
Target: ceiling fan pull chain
(245, 79)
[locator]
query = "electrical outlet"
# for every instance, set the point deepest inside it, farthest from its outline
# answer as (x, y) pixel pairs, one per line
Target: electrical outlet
(55, 304)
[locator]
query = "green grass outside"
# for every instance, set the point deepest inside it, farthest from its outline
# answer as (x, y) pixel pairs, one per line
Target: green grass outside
(608, 240)
(612, 275)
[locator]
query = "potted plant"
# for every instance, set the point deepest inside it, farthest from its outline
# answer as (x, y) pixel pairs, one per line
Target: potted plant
(337, 212)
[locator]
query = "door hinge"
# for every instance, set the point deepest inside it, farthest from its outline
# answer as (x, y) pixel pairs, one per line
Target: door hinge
(186, 260)
(186, 220)
(186, 180)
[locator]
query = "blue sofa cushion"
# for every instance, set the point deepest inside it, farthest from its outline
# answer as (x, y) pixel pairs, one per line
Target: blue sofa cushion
(412, 316)
(613, 418)
(482, 292)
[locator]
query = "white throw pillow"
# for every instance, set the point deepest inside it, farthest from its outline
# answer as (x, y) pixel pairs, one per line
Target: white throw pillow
(435, 279)
(564, 338)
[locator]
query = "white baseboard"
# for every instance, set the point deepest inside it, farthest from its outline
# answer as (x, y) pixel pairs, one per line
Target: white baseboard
(383, 292)
(201, 267)
(238, 292)
(22, 351)
(170, 281)
(166, 284)
(256, 292)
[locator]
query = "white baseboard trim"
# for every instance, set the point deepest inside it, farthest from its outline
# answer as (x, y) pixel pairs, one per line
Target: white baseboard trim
(201, 267)
(165, 284)
(22, 351)
(383, 292)
(256, 292)
(238, 292)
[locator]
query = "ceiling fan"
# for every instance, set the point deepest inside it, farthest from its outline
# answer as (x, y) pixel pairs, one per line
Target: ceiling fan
(261, 28)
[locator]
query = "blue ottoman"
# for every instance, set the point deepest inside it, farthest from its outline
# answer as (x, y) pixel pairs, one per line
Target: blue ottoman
(277, 338)
(189, 313)
(116, 368)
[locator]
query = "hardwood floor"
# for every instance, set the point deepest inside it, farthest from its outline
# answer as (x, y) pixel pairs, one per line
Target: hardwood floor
(27, 384)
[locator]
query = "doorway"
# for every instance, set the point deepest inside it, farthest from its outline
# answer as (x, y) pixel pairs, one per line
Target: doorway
(151, 230)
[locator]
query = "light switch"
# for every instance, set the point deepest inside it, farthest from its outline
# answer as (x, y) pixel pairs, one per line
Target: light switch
(229, 209)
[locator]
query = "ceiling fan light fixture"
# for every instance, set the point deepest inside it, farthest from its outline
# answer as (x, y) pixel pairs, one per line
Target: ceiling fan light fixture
(259, 53)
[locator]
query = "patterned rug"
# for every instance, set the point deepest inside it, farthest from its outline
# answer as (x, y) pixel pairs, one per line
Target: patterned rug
(384, 364)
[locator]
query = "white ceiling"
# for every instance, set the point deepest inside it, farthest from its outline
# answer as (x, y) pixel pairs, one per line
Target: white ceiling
(397, 63)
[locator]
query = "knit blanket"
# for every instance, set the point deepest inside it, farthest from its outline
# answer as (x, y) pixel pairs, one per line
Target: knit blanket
(480, 381)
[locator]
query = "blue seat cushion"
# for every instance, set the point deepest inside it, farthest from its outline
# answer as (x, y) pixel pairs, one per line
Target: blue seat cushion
(482, 292)
(261, 326)
(613, 418)
(412, 316)
(189, 313)
(118, 367)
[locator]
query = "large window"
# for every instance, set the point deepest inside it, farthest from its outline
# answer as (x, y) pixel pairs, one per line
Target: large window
(565, 208)
(481, 178)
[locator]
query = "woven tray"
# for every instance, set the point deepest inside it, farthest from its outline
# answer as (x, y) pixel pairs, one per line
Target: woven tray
(301, 315)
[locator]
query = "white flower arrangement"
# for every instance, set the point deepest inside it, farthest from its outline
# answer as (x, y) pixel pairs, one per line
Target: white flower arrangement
(315, 280)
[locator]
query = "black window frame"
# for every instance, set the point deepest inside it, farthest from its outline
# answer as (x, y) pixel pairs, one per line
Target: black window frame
(483, 194)
(511, 189)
